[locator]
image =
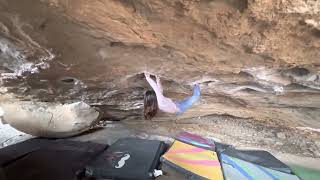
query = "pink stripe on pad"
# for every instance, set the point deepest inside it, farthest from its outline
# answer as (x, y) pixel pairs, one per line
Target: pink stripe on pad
(197, 162)
(181, 151)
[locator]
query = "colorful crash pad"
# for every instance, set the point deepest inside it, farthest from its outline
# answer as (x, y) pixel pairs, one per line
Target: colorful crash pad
(196, 140)
(193, 160)
(237, 169)
(259, 157)
(305, 173)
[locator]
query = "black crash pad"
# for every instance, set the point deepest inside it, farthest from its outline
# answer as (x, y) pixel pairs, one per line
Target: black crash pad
(47, 159)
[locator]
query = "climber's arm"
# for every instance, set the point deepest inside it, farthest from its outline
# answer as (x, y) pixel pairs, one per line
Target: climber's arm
(159, 84)
(154, 85)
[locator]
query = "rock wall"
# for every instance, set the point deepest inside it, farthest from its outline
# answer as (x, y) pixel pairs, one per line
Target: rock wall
(256, 59)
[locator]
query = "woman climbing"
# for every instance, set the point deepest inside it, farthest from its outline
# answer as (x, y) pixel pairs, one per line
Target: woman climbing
(154, 100)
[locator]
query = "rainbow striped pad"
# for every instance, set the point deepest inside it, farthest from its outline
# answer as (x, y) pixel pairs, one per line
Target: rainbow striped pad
(196, 140)
(196, 160)
(237, 169)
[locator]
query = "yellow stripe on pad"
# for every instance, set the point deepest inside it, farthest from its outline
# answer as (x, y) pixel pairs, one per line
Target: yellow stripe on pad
(199, 161)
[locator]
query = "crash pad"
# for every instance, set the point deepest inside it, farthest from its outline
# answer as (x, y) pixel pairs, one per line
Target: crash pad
(196, 140)
(306, 173)
(237, 169)
(259, 157)
(193, 160)
(127, 158)
(47, 159)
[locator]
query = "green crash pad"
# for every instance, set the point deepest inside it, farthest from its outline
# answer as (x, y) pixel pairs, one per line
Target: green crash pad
(305, 173)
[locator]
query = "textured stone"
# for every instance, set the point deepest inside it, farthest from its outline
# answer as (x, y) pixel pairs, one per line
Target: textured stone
(49, 119)
(281, 135)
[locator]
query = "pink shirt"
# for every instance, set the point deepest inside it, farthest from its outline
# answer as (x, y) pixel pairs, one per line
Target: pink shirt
(165, 104)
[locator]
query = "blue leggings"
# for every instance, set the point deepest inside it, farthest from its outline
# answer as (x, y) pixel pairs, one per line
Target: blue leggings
(187, 103)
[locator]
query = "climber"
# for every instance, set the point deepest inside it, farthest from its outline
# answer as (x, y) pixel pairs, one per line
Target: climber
(154, 100)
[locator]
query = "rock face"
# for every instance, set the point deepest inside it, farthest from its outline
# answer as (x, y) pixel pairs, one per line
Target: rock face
(10, 135)
(49, 119)
(254, 59)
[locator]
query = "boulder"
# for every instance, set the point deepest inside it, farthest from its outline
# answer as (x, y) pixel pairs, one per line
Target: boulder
(51, 120)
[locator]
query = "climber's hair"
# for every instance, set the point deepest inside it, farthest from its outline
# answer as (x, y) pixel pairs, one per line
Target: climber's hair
(150, 104)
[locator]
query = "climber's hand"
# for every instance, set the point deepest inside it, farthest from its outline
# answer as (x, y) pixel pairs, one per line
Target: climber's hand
(146, 74)
(158, 78)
